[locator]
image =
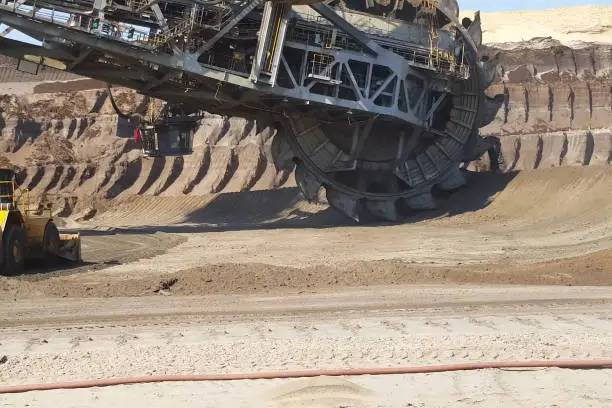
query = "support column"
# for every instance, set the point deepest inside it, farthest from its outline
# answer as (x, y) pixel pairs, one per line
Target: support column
(271, 41)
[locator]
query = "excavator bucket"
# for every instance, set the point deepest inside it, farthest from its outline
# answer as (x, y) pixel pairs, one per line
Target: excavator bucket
(70, 247)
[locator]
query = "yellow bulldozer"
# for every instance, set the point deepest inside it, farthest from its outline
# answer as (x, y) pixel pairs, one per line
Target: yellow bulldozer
(29, 234)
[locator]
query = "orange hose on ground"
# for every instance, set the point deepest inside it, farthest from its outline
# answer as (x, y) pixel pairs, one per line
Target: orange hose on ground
(575, 364)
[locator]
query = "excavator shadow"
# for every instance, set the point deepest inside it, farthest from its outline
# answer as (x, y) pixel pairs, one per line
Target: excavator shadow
(477, 195)
(250, 210)
(286, 209)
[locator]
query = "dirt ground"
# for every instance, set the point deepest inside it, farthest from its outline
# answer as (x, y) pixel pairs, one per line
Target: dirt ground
(213, 262)
(558, 232)
(67, 339)
(468, 389)
(233, 283)
(261, 278)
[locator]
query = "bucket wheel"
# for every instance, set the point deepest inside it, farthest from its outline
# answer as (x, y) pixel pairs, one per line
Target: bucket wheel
(377, 167)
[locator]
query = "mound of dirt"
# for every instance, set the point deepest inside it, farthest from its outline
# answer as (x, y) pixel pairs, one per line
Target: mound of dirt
(547, 226)
(260, 278)
(72, 147)
(588, 23)
(557, 105)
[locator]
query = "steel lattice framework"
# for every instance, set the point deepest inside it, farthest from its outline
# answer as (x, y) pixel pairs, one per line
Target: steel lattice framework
(378, 102)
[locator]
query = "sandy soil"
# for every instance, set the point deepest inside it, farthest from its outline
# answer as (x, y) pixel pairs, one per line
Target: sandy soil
(588, 23)
(558, 232)
(551, 388)
(160, 281)
(384, 326)
(17, 88)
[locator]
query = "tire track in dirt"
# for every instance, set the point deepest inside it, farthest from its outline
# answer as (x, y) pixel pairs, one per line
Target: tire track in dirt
(263, 334)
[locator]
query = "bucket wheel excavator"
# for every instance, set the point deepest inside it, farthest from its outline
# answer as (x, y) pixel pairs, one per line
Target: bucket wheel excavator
(377, 102)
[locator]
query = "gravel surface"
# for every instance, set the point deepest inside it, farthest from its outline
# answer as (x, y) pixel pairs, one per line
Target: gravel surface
(399, 326)
(303, 331)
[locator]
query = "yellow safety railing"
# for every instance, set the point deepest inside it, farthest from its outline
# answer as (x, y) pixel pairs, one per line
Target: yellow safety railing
(155, 40)
(320, 64)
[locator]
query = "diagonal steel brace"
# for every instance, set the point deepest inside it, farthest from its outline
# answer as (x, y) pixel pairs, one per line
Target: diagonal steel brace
(226, 29)
(341, 23)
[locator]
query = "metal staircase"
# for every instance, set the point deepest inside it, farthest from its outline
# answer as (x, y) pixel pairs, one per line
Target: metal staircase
(231, 21)
(179, 29)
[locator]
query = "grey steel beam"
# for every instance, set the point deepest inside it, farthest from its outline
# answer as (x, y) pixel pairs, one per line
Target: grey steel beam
(161, 20)
(271, 41)
(189, 64)
(327, 12)
(185, 63)
(157, 82)
(139, 79)
(170, 92)
(386, 57)
(18, 49)
(84, 54)
(148, 5)
(227, 28)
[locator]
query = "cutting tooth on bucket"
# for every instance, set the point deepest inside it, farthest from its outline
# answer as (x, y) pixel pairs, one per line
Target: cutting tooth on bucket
(282, 153)
(347, 204)
(491, 108)
(475, 29)
(454, 180)
(490, 70)
(382, 209)
(423, 202)
(307, 182)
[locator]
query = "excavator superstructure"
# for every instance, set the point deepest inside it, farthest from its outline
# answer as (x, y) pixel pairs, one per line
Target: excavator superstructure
(376, 103)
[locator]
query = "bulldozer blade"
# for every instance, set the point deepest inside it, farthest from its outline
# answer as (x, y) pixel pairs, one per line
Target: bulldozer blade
(70, 247)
